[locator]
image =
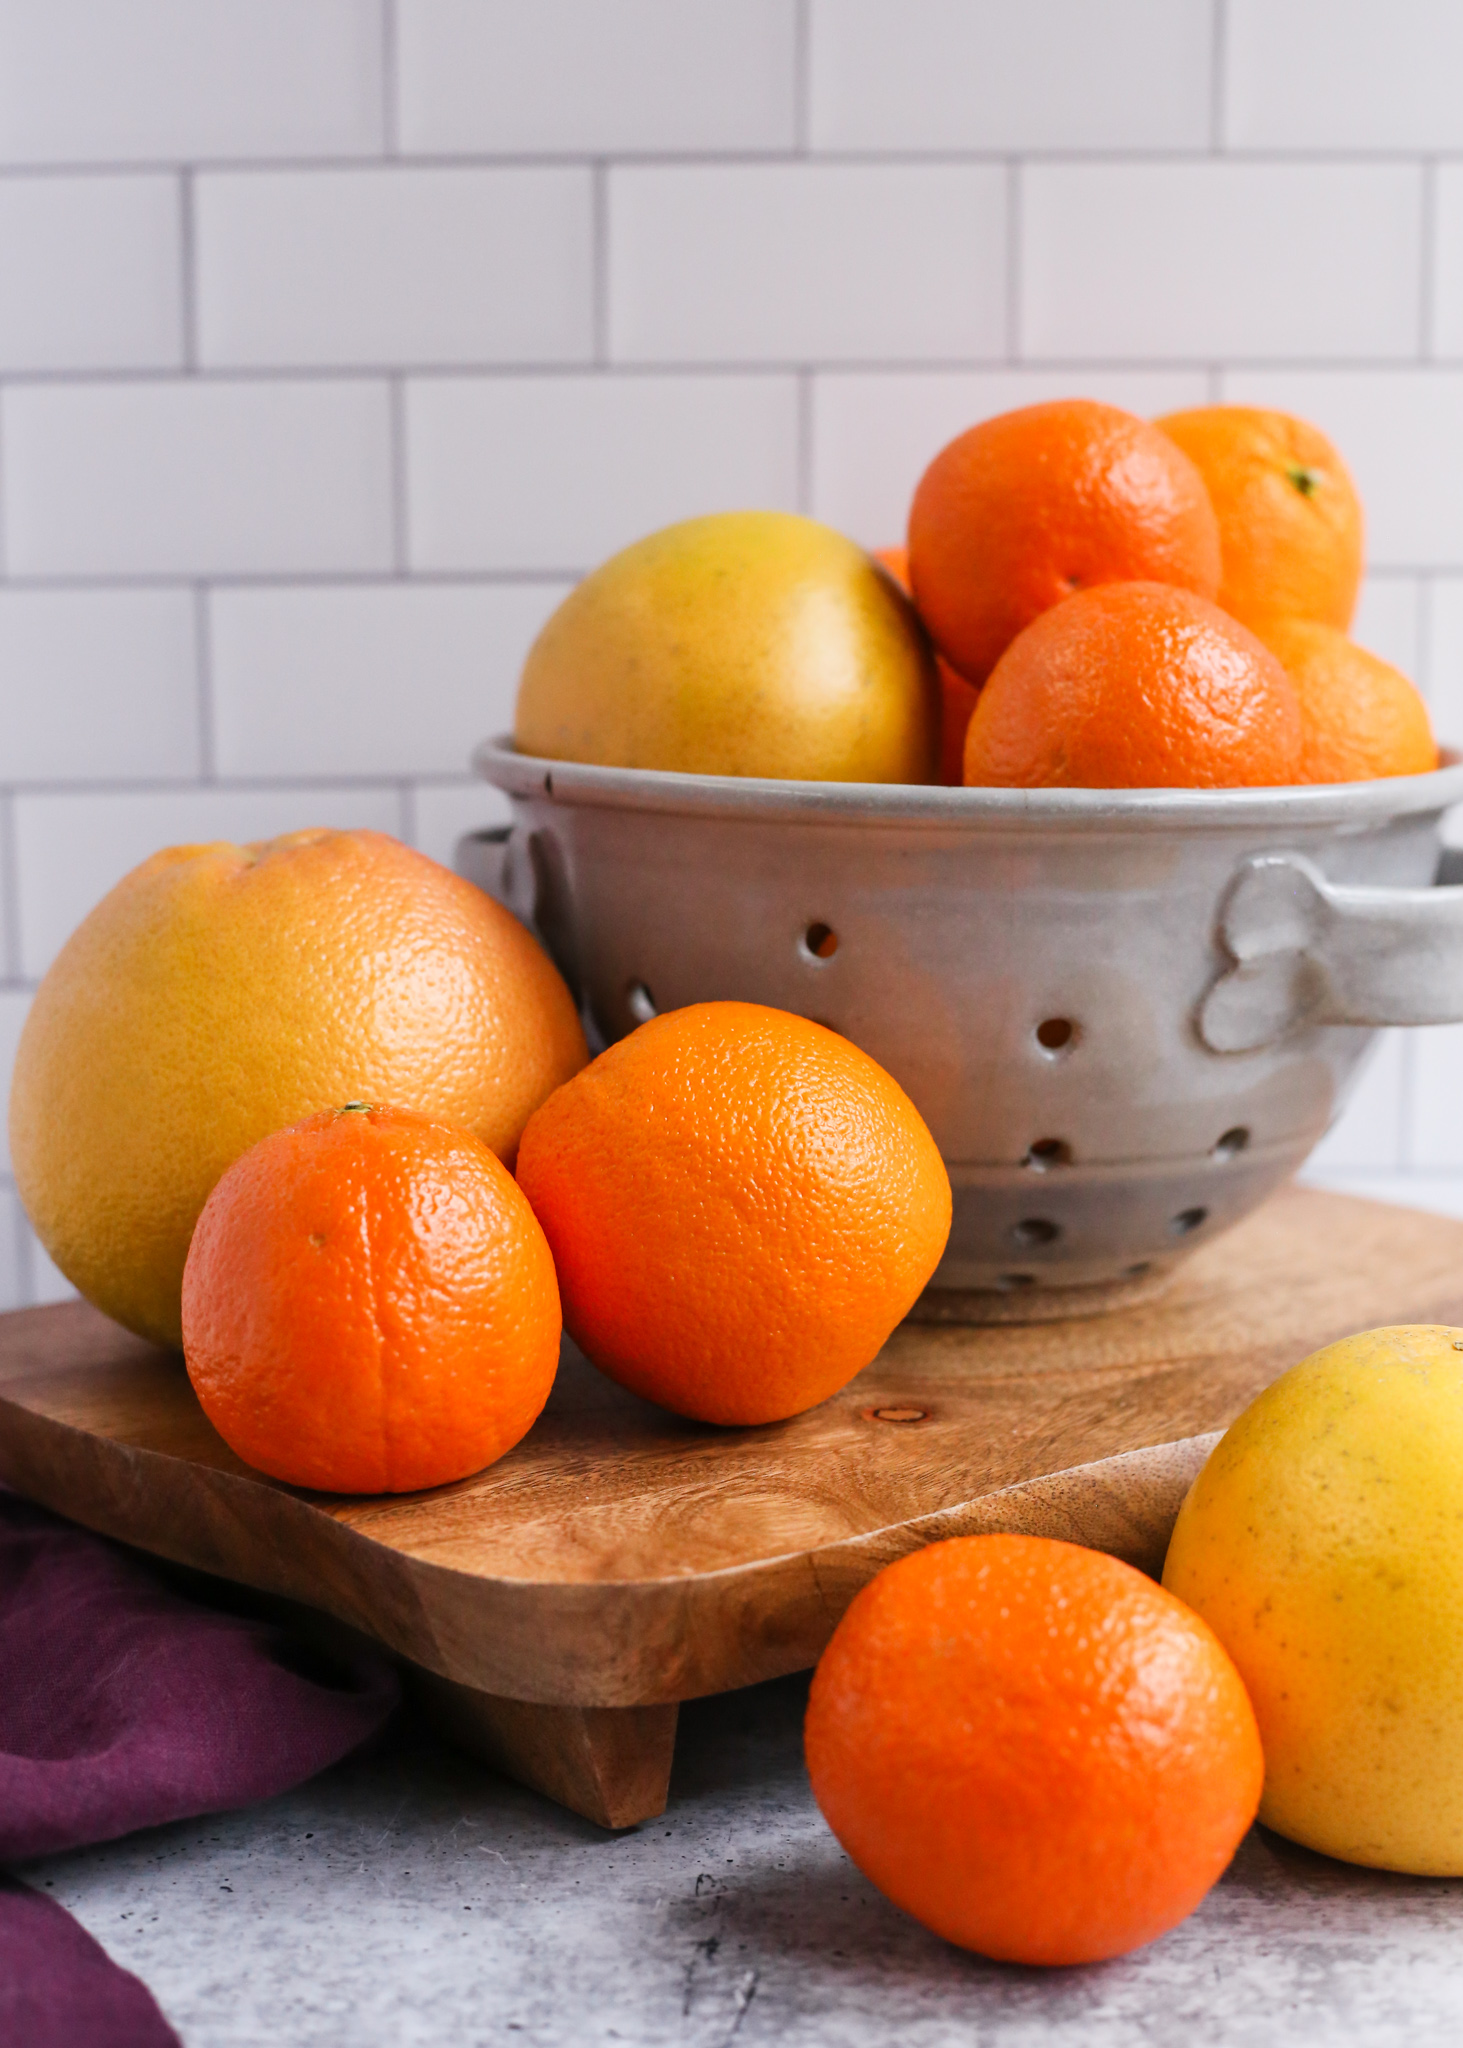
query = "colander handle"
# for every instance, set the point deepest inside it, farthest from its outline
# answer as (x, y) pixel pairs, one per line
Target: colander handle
(1307, 951)
(524, 871)
(482, 859)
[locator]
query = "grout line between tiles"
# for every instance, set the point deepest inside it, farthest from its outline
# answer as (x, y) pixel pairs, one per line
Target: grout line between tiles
(1014, 197)
(295, 781)
(389, 67)
(203, 659)
(10, 887)
(396, 438)
(478, 370)
(1335, 156)
(1218, 59)
(1427, 262)
(450, 579)
(599, 257)
(301, 579)
(802, 76)
(188, 262)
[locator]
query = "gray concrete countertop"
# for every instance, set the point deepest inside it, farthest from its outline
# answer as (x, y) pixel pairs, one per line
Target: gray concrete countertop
(409, 1898)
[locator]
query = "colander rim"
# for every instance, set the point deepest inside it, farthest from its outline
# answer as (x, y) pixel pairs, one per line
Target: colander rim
(921, 804)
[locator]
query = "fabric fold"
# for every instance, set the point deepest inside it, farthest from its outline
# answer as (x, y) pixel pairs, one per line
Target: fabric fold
(124, 1704)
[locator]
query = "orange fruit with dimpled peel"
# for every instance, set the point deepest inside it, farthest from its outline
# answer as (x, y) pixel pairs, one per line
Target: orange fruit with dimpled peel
(1290, 521)
(741, 1206)
(1032, 1748)
(369, 1305)
(1361, 718)
(1135, 686)
(1020, 511)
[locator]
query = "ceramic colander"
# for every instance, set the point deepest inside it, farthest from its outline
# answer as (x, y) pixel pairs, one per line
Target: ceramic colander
(1126, 1015)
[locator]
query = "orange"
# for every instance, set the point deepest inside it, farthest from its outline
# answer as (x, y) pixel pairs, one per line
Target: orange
(1290, 523)
(1135, 686)
(1019, 512)
(1360, 717)
(957, 696)
(220, 992)
(741, 1206)
(369, 1305)
(1032, 1748)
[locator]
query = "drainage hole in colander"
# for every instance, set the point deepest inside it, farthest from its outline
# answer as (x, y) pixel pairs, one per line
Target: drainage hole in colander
(1187, 1220)
(640, 1002)
(1036, 1230)
(1008, 1282)
(820, 941)
(1047, 1153)
(1231, 1144)
(1056, 1034)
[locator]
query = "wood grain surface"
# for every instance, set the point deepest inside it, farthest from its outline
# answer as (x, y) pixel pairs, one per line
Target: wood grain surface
(622, 1557)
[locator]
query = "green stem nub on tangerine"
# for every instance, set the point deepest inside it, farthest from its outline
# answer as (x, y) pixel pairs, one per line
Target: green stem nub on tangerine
(1306, 481)
(347, 1108)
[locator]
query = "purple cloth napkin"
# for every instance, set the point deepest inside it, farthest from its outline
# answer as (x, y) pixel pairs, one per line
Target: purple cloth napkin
(124, 1704)
(59, 1989)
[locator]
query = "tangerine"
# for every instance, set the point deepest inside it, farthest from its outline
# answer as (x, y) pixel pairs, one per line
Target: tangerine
(1135, 686)
(741, 1206)
(1360, 717)
(1290, 521)
(1032, 1748)
(220, 992)
(369, 1305)
(1020, 511)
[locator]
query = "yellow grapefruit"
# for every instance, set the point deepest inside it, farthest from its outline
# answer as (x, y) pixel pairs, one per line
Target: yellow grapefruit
(222, 992)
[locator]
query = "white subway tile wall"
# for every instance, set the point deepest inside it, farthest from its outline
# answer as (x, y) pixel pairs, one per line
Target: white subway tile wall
(196, 477)
(930, 76)
(1243, 261)
(807, 262)
(382, 267)
(553, 473)
(92, 271)
(571, 78)
(337, 337)
(190, 81)
(374, 679)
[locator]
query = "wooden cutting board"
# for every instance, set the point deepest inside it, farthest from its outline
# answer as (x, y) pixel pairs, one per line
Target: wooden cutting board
(619, 1560)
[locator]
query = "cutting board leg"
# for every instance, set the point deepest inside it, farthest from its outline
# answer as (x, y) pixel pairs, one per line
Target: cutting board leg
(611, 1764)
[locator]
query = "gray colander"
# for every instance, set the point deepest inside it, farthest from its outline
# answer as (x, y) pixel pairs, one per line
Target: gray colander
(1125, 1015)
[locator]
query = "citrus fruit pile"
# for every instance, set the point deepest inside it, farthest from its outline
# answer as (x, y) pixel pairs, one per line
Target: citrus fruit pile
(325, 1113)
(1087, 599)
(268, 1102)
